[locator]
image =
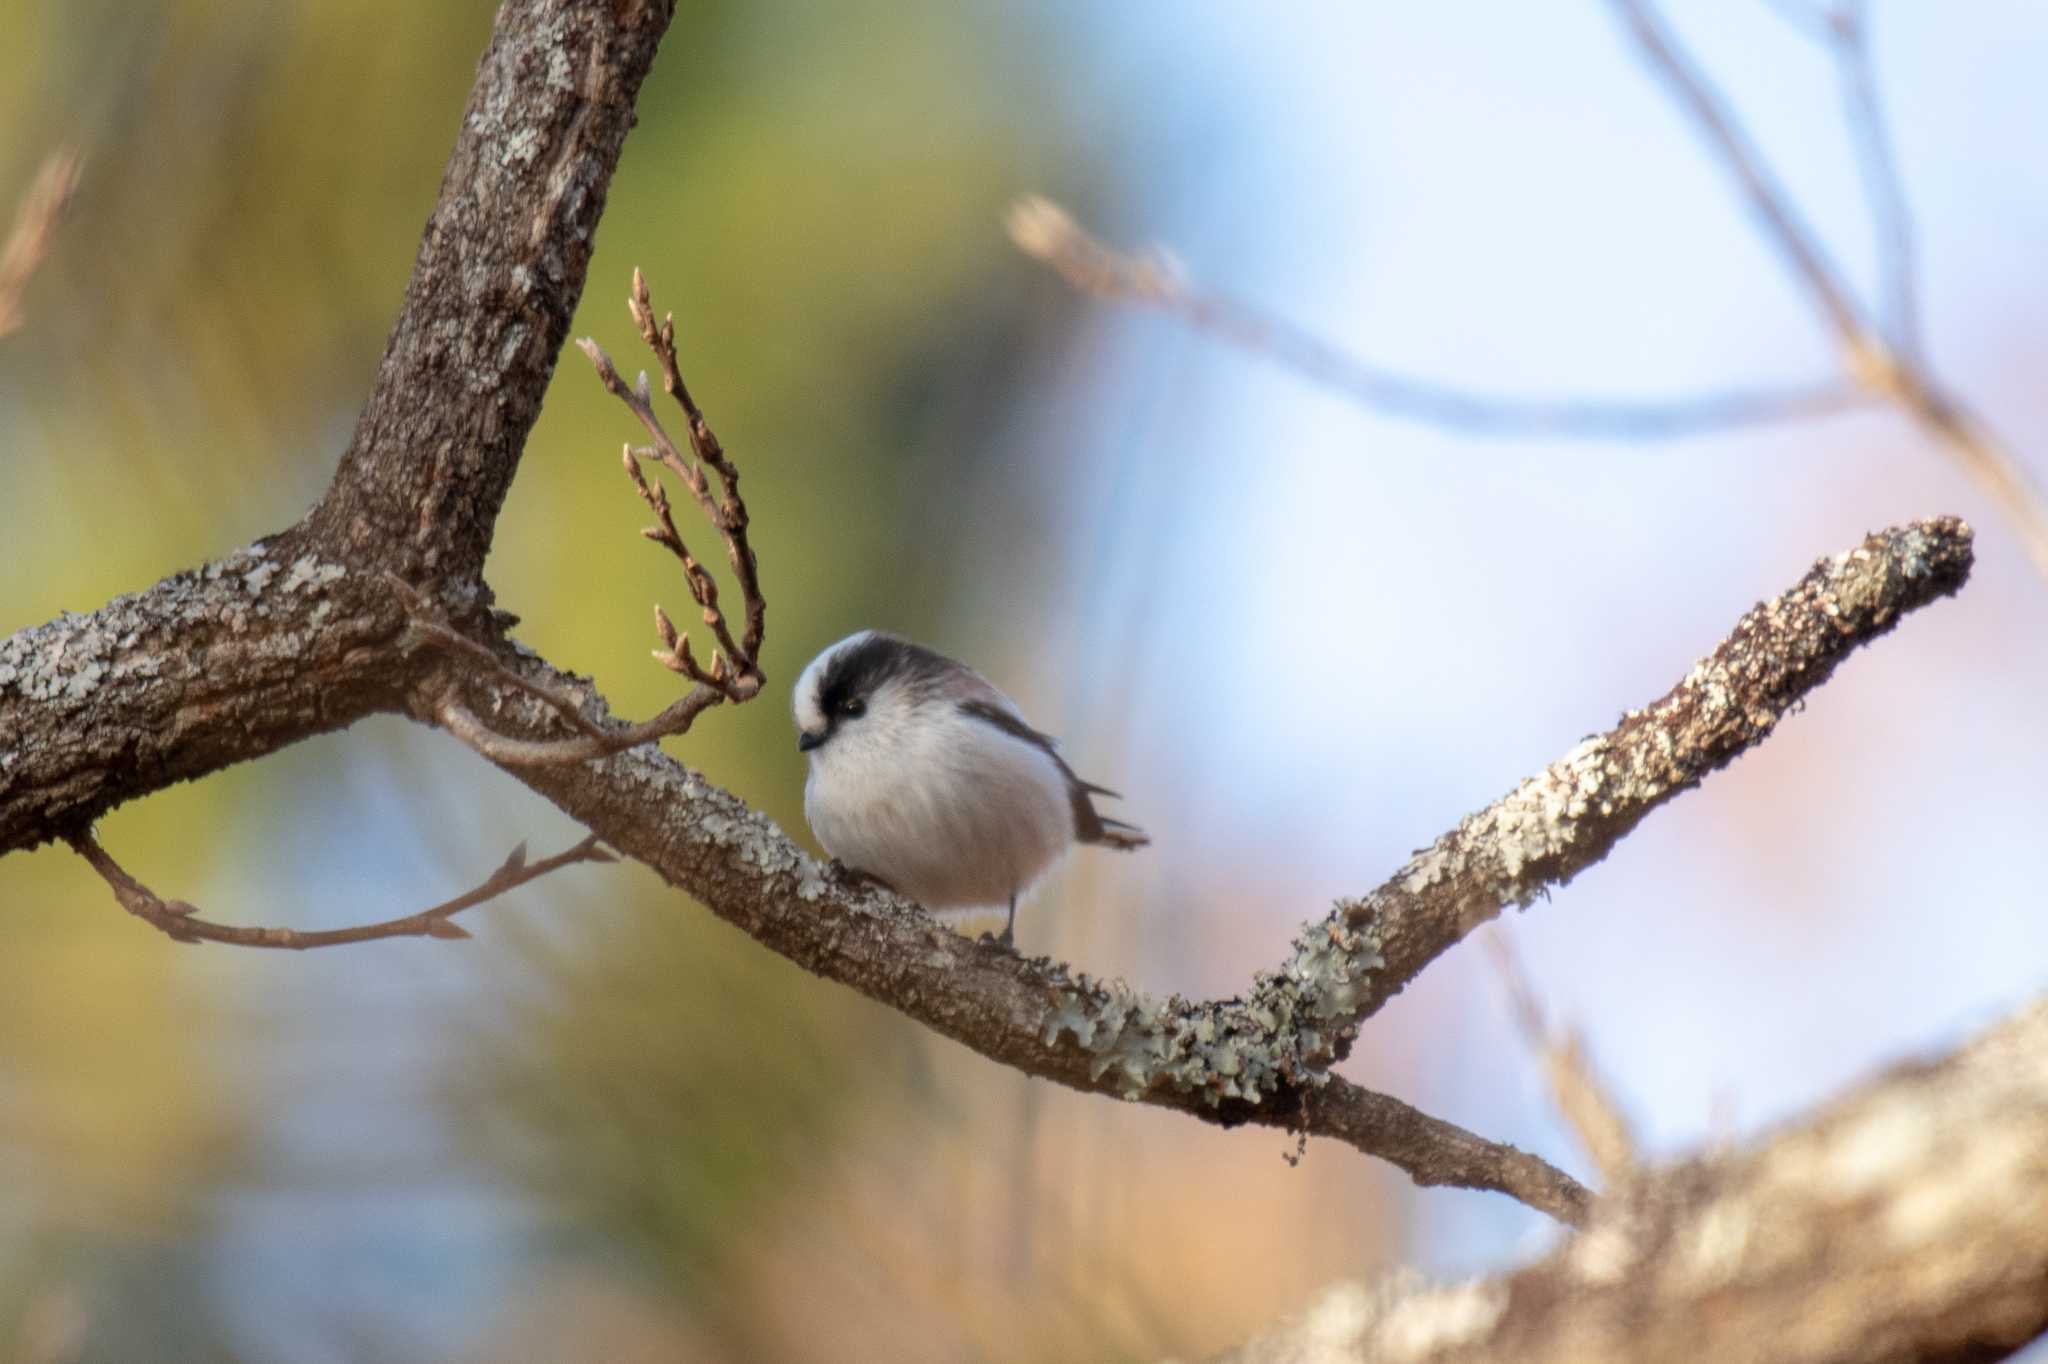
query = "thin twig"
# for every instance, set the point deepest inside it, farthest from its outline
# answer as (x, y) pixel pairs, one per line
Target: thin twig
(462, 722)
(1877, 163)
(1816, 21)
(1045, 231)
(35, 226)
(428, 623)
(735, 665)
(181, 921)
(734, 673)
(1435, 1153)
(1715, 118)
(1882, 368)
(1574, 1087)
(1844, 30)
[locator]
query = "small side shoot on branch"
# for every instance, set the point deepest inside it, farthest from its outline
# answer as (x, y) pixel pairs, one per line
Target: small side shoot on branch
(734, 672)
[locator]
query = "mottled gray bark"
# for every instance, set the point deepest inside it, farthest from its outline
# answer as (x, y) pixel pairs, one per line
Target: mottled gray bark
(300, 633)
(1905, 1222)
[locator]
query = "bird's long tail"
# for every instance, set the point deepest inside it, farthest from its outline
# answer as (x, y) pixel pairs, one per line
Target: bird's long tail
(1092, 826)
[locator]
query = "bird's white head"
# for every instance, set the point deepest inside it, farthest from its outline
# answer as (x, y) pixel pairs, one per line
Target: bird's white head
(869, 679)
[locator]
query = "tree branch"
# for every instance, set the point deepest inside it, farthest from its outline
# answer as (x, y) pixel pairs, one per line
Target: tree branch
(1567, 817)
(1784, 226)
(1907, 1221)
(35, 226)
(1595, 1118)
(1044, 231)
(299, 633)
(1263, 1057)
(498, 276)
(304, 632)
(1887, 366)
(180, 921)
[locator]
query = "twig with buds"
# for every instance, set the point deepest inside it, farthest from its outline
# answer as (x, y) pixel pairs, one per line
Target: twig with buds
(734, 673)
(735, 669)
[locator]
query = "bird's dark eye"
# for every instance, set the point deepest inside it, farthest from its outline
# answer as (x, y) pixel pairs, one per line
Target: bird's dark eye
(853, 707)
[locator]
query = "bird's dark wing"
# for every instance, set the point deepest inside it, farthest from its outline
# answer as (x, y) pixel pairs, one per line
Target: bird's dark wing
(1090, 825)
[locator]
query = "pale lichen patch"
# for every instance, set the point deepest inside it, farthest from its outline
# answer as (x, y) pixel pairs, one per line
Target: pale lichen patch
(309, 571)
(1603, 1254)
(1718, 1247)
(520, 147)
(1419, 1324)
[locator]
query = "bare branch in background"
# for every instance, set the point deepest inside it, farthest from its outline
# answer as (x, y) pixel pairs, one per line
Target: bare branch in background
(1877, 163)
(1817, 21)
(1886, 363)
(1046, 232)
(1906, 1221)
(35, 225)
(1884, 360)
(1787, 230)
(1580, 1096)
(181, 921)
(1844, 30)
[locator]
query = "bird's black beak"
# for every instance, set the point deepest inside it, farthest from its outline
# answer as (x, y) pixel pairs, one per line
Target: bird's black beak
(808, 739)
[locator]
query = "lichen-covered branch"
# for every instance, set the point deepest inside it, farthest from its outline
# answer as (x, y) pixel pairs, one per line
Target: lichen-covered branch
(1907, 1221)
(1037, 1016)
(499, 272)
(1568, 816)
(300, 633)
(210, 667)
(1265, 1056)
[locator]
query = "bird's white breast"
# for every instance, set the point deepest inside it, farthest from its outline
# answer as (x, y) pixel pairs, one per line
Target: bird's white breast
(947, 809)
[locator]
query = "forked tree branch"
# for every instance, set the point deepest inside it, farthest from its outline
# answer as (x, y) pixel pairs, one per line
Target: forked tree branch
(1888, 363)
(1265, 1056)
(300, 633)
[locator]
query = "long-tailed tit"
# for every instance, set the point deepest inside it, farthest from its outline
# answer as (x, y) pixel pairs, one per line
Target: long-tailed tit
(926, 778)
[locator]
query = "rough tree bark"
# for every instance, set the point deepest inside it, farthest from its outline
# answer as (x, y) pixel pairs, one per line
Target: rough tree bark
(305, 632)
(1907, 1221)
